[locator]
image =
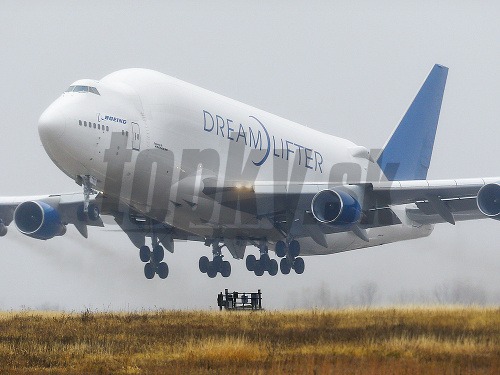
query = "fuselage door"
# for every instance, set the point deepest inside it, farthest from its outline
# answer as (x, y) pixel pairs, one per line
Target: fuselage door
(136, 136)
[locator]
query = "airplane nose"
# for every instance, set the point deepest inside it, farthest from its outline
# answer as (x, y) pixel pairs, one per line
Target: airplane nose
(51, 124)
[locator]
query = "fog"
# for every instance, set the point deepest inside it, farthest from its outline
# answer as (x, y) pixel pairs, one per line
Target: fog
(349, 69)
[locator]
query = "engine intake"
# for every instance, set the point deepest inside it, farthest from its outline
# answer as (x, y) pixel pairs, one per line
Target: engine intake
(38, 220)
(335, 208)
(488, 200)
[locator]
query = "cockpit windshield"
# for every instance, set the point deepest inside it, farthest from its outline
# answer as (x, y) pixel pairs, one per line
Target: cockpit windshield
(78, 88)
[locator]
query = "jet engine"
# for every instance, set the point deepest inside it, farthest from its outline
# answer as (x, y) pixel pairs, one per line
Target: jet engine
(488, 200)
(3, 229)
(38, 220)
(335, 208)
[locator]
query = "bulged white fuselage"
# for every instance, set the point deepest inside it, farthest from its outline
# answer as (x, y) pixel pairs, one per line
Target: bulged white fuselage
(150, 141)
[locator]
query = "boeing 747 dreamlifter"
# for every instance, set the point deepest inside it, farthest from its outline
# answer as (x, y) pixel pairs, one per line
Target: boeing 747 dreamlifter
(170, 161)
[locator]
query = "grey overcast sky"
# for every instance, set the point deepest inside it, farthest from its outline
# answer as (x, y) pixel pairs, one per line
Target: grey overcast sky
(346, 68)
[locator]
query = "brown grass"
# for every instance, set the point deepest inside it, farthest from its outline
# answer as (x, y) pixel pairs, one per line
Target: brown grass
(353, 341)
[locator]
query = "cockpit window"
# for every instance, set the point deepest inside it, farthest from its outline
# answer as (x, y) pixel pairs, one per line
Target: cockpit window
(81, 89)
(93, 90)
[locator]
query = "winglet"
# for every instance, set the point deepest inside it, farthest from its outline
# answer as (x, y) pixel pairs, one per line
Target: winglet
(407, 153)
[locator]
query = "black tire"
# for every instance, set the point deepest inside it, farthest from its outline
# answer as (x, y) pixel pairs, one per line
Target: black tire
(280, 249)
(217, 263)
(212, 270)
(203, 264)
(284, 266)
(158, 253)
(273, 267)
(259, 268)
(225, 269)
(294, 248)
(162, 270)
(299, 266)
(145, 254)
(149, 271)
(93, 213)
(250, 261)
(265, 260)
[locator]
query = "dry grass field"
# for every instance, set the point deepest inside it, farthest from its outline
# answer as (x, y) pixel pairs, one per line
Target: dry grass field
(352, 341)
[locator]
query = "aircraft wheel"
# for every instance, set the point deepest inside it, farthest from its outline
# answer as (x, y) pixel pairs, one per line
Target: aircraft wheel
(225, 269)
(280, 249)
(298, 265)
(284, 266)
(250, 261)
(93, 213)
(162, 270)
(145, 254)
(212, 270)
(217, 262)
(294, 248)
(265, 261)
(273, 267)
(158, 253)
(149, 271)
(259, 268)
(203, 264)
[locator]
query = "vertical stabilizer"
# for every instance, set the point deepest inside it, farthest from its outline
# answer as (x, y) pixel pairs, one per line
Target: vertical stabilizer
(407, 154)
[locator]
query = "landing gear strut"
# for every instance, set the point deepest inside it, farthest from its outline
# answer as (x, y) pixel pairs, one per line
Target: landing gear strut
(211, 268)
(88, 210)
(263, 264)
(153, 259)
(289, 252)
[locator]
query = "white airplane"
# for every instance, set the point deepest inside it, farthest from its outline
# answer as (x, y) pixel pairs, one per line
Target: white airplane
(171, 161)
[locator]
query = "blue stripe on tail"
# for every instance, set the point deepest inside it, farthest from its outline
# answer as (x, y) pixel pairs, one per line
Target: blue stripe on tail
(407, 154)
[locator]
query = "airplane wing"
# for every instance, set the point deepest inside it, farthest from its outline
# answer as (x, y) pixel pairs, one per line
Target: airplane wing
(56, 210)
(289, 206)
(59, 210)
(436, 201)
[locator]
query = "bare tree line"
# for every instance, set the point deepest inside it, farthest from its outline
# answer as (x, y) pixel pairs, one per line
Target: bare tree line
(368, 293)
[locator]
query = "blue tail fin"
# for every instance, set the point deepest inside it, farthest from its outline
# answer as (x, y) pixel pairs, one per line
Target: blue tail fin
(407, 154)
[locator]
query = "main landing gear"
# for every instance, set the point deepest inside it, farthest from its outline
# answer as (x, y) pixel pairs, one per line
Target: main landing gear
(217, 265)
(263, 264)
(289, 254)
(153, 260)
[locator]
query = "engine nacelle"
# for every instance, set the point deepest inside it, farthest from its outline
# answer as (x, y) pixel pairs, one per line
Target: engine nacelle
(488, 200)
(38, 220)
(335, 208)
(3, 229)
